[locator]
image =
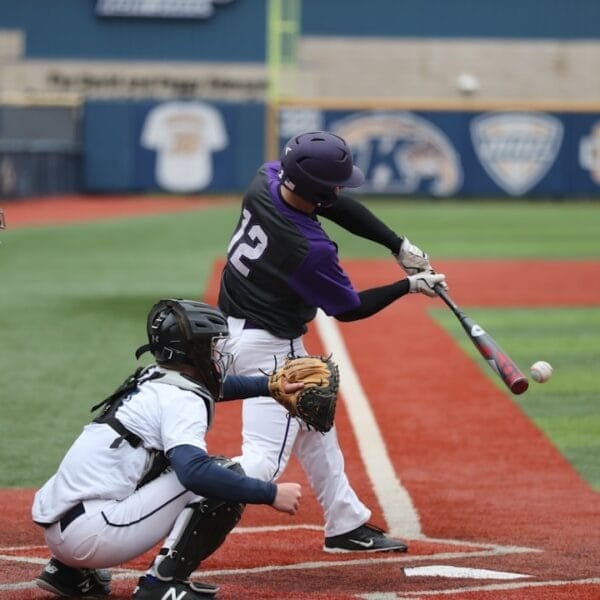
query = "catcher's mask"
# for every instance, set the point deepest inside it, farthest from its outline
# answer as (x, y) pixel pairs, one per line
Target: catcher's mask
(189, 332)
(315, 164)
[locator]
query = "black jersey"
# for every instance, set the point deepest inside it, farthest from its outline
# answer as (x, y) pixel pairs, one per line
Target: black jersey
(281, 265)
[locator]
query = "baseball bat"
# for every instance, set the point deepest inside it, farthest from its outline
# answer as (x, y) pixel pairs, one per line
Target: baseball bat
(498, 360)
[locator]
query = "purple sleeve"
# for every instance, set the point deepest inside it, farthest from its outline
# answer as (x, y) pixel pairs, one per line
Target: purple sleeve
(321, 281)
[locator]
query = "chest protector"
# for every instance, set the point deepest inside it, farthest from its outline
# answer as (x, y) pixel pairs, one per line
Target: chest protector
(158, 461)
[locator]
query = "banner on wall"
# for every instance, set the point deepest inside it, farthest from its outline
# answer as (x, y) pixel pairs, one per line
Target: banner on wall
(516, 149)
(402, 153)
(449, 153)
(184, 136)
(180, 147)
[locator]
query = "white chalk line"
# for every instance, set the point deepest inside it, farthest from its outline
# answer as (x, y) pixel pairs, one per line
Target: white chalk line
(488, 550)
(398, 509)
(492, 587)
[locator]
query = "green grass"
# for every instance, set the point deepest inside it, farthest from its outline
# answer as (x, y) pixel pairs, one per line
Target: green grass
(73, 300)
(70, 307)
(566, 407)
(487, 229)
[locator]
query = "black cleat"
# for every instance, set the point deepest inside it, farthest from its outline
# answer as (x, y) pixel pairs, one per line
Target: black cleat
(68, 582)
(365, 538)
(181, 590)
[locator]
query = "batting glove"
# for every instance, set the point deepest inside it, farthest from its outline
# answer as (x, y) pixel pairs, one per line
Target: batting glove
(412, 259)
(425, 281)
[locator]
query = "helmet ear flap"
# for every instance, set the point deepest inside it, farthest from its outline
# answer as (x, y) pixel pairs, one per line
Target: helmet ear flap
(168, 333)
(154, 321)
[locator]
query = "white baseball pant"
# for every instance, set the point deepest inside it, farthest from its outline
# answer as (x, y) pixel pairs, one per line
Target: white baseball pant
(111, 532)
(270, 436)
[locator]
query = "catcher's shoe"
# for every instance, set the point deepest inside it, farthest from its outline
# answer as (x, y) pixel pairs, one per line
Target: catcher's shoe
(149, 588)
(366, 538)
(68, 582)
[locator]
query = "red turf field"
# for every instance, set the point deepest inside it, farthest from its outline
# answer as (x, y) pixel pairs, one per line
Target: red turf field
(490, 492)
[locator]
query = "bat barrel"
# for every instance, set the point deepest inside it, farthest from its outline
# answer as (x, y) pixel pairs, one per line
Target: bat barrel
(498, 360)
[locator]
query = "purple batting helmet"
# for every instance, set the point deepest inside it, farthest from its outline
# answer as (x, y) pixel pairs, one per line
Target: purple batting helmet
(315, 163)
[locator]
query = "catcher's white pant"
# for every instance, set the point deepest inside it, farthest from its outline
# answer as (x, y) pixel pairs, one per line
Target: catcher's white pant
(111, 532)
(270, 436)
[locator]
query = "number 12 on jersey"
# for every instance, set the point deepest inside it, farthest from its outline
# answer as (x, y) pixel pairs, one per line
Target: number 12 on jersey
(248, 242)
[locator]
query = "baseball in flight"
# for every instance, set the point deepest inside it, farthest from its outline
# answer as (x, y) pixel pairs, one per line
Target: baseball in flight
(541, 371)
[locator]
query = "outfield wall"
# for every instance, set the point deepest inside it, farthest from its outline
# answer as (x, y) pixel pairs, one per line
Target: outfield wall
(413, 149)
(440, 150)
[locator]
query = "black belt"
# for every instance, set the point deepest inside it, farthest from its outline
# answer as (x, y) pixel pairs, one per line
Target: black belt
(68, 517)
(71, 515)
(251, 325)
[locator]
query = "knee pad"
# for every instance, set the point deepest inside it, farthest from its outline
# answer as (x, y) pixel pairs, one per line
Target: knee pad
(208, 522)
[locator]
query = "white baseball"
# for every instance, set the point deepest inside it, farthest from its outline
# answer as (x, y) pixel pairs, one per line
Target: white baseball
(541, 371)
(467, 84)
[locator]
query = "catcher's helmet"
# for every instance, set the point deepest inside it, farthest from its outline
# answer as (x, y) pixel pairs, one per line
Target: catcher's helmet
(315, 163)
(186, 332)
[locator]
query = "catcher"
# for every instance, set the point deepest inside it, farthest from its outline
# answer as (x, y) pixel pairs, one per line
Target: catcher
(140, 473)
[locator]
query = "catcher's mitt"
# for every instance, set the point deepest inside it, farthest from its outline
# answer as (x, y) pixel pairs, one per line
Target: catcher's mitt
(315, 403)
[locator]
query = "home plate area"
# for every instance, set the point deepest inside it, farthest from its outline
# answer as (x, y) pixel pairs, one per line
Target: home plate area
(286, 561)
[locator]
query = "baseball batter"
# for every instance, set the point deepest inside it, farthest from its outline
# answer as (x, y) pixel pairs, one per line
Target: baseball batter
(281, 267)
(140, 472)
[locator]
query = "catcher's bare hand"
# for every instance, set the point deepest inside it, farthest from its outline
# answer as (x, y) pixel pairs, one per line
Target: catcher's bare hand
(291, 388)
(288, 497)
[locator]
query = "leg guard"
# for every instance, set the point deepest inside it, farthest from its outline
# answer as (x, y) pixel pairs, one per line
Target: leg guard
(203, 527)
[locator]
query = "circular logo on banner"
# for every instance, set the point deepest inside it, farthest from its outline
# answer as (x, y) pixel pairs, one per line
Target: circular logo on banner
(401, 153)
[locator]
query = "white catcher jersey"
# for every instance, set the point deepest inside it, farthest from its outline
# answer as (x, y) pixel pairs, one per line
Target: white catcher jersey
(161, 414)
